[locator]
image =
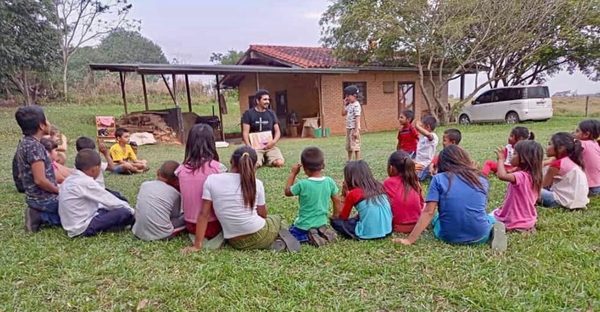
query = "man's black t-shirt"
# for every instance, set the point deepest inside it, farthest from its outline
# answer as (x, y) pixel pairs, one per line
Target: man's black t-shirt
(260, 121)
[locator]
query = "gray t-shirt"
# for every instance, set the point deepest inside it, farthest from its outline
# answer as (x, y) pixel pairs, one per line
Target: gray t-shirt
(157, 203)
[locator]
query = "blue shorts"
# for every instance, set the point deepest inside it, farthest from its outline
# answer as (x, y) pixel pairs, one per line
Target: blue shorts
(118, 169)
(300, 234)
(594, 191)
(547, 199)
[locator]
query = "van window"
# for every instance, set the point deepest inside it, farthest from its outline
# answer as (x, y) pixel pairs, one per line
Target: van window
(538, 93)
(484, 98)
(514, 94)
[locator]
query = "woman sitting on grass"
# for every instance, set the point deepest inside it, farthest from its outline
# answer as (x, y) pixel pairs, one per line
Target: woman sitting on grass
(460, 192)
(238, 200)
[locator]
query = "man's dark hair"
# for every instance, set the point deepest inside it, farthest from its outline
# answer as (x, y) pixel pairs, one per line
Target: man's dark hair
(430, 121)
(86, 159)
(167, 170)
(120, 131)
(312, 159)
(259, 94)
(410, 115)
(453, 135)
(30, 118)
(84, 142)
(49, 144)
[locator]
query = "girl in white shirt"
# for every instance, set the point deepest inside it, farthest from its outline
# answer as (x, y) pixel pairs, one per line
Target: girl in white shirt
(238, 201)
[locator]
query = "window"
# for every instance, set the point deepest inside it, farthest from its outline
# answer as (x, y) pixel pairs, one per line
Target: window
(362, 90)
(484, 98)
(406, 96)
(538, 92)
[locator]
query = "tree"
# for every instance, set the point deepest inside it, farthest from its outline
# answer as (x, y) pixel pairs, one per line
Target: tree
(231, 57)
(84, 21)
(28, 35)
(444, 39)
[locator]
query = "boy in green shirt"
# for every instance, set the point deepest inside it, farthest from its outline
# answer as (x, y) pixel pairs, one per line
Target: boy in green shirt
(314, 194)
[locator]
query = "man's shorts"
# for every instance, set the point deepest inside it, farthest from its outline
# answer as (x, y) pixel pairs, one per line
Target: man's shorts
(270, 155)
(352, 144)
(119, 169)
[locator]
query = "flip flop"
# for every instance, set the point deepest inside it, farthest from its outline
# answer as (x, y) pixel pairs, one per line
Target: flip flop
(292, 244)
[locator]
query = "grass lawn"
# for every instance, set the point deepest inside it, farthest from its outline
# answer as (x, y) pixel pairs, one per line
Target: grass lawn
(556, 269)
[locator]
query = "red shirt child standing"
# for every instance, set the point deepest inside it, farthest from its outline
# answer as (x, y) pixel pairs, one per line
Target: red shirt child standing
(408, 136)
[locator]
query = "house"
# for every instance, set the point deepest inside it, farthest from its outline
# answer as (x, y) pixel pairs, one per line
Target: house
(385, 91)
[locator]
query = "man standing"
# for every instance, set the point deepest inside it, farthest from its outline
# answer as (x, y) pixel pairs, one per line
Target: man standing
(352, 112)
(260, 129)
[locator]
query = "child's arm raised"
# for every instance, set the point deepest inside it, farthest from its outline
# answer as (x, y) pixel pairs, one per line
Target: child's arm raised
(110, 164)
(201, 224)
(424, 221)
(291, 179)
(423, 131)
(38, 169)
(502, 174)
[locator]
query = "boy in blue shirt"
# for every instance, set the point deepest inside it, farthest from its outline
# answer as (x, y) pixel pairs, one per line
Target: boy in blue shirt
(314, 195)
(35, 169)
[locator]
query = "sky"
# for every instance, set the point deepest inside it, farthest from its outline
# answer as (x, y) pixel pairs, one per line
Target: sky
(191, 30)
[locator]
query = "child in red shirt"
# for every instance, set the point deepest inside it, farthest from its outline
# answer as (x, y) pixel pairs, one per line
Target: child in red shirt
(404, 192)
(407, 135)
(516, 134)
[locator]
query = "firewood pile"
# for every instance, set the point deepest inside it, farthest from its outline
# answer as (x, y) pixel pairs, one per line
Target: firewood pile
(152, 123)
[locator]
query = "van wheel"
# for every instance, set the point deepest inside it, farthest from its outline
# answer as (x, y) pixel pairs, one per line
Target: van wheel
(512, 118)
(464, 119)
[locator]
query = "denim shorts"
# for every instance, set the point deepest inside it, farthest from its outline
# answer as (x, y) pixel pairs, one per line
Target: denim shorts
(547, 198)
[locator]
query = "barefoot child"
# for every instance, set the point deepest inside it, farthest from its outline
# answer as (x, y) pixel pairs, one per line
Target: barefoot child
(158, 209)
(125, 159)
(352, 111)
(516, 134)
(314, 196)
(238, 200)
(518, 211)
(81, 197)
(588, 133)
(460, 192)
(404, 192)
(35, 169)
(367, 195)
(408, 136)
(565, 183)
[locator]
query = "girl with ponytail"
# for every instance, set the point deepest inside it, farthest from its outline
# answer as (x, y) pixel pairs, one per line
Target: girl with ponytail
(238, 201)
(588, 132)
(565, 184)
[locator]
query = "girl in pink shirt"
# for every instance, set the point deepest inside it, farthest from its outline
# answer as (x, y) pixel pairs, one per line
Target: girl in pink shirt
(518, 211)
(201, 160)
(587, 133)
(404, 192)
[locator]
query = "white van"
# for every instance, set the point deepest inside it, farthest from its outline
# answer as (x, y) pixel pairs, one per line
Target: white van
(511, 104)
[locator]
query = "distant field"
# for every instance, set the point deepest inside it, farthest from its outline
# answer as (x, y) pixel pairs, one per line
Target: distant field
(575, 106)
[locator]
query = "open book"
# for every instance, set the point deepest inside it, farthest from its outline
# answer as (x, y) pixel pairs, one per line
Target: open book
(258, 140)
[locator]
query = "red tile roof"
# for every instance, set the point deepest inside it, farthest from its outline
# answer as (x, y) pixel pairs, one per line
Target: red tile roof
(305, 57)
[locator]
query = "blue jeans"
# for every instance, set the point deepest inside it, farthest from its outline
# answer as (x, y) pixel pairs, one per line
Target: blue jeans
(109, 220)
(424, 174)
(48, 210)
(300, 234)
(594, 191)
(345, 227)
(547, 199)
(437, 229)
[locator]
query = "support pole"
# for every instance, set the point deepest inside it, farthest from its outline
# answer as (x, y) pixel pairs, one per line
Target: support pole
(168, 88)
(187, 90)
(220, 110)
(122, 78)
(587, 102)
(257, 81)
(462, 87)
(145, 93)
(321, 109)
(175, 90)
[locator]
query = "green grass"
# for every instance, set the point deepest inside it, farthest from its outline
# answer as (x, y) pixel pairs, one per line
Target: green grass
(556, 269)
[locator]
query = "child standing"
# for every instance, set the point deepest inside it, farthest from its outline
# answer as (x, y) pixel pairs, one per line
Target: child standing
(238, 200)
(352, 111)
(123, 155)
(426, 146)
(516, 134)
(518, 211)
(200, 161)
(367, 195)
(314, 195)
(460, 192)
(588, 133)
(408, 136)
(567, 183)
(35, 169)
(81, 196)
(158, 209)
(404, 192)
(60, 172)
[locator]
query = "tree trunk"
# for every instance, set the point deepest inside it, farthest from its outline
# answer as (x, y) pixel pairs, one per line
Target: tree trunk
(65, 68)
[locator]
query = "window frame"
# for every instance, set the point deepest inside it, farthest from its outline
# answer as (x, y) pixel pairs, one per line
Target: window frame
(362, 87)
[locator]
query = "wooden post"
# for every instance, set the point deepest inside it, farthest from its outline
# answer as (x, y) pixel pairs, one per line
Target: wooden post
(257, 81)
(187, 90)
(220, 111)
(587, 102)
(175, 89)
(145, 93)
(321, 110)
(168, 88)
(462, 87)
(122, 78)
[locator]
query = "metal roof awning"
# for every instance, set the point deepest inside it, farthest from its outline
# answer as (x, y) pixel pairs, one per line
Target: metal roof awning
(180, 69)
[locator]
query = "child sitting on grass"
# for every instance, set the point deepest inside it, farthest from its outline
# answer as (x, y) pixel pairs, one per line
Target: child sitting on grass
(314, 195)
(404, 192)
(158, 209)
(60, 172)
(61, 141)
(518, 210)
(565, 184)
(426, 146)
(451, 137)
(516, 134)
(81, 196)
(34, 168)
(362, 191)
(588, 133)
(460, 192)
(125, 159)
(408, 136)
